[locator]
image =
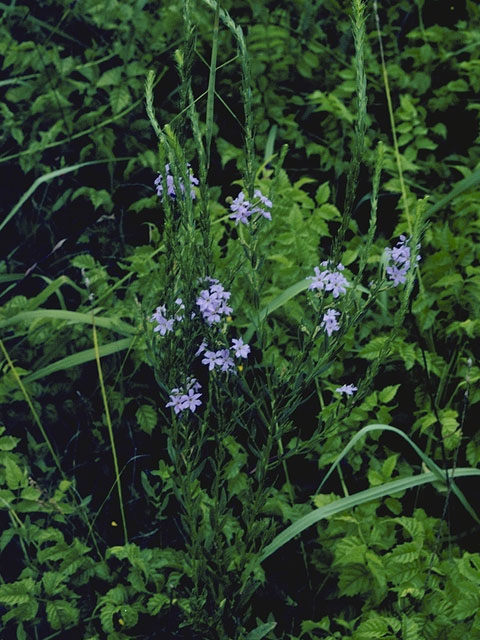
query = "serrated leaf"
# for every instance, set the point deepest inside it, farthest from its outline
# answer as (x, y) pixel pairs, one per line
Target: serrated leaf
(110, 78)
(353, 580)
(106, 616)
(61, 614)
(389, 465)
(15, 477)
(329, 212)
(467, 606)
(387, 394)
(146, 418)
(405, 553)
(83, 261)
(7, 443)
(119, 99)
(98, 197)
(156, 603)
(323, 193)
(52, 582)
(30, 493)
(18, 592)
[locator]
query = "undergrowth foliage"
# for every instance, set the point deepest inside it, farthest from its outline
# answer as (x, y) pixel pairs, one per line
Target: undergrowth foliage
(219, 390)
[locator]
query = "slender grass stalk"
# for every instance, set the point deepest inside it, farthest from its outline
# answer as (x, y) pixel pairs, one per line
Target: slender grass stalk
(392, 120)
(211, 84)
(110, 432)
(35, 415)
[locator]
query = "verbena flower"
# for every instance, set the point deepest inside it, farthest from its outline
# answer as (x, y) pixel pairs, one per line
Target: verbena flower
(243, 209)
(329, 322)
(181, 399)
(221, 359)
(400, 257)
(266, 202)
(327, 280)
(212, 302)
(241, 350)
(347, 389)
(171, 185)
(164, 324)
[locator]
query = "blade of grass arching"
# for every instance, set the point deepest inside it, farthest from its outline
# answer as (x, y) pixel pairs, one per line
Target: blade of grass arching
(280, 300)
(45, 178)
(71, 316)
(430, 464)
(462, 185)
(53, 287)
(80, 358)
(277, 302)
(211, 84)
(344, 504)
(110, 432)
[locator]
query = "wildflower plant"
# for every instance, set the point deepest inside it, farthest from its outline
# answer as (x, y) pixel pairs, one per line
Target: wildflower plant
(255, 329)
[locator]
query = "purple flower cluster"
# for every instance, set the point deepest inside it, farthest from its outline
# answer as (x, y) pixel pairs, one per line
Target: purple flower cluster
(400, 257)
(212, 302)
(164, 324)
(170, 184)
(329, 322)
(327, 280)
(189, 398)
(221, 358)
(243, 209)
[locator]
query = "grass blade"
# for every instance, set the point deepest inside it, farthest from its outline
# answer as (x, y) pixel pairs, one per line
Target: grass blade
(343, 504)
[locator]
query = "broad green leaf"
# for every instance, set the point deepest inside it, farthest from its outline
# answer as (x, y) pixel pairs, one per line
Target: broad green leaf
(119, 99)
(146, 418)
(15, 477)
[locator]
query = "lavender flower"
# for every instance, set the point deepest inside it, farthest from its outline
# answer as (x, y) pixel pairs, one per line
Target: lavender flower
(164, 324)
(241, 350)
(181, 399)
(170, 183)
(327, 280)
(400, 256)
(266, 202)
(212, 302)
(329, 321)
(243, 209)
(221, 359)
(347, 389)
(212, 359)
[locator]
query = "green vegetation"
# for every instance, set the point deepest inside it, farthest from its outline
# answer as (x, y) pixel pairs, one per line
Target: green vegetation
(239, 320)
